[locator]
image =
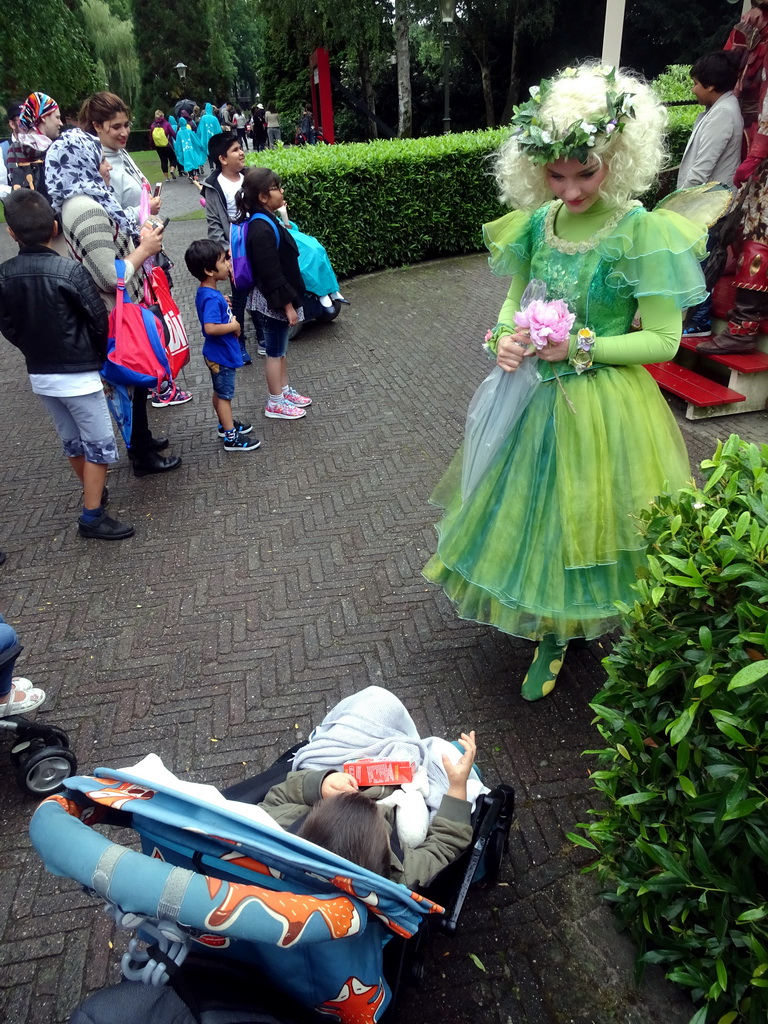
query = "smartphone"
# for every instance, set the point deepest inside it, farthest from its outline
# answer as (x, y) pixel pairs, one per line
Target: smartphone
(158, 188)
(166, 222)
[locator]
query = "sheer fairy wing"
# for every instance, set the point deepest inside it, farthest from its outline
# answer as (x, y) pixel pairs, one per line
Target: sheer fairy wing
(702, 204)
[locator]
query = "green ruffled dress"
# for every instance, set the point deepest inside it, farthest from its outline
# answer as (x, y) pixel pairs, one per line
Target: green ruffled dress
(546, 543)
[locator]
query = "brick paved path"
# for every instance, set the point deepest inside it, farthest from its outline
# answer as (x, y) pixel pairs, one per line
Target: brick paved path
(261, 588)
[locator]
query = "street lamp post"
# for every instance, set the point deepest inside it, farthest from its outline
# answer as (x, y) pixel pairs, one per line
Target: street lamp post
(182, 70)
(447, 13)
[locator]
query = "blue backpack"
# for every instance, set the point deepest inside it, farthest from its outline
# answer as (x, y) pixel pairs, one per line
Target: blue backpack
(241, 268)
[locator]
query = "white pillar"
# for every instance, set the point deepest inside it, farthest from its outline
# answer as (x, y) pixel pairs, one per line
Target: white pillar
(614, 27)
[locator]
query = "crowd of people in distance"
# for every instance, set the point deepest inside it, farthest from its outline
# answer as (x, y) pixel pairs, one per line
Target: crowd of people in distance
(181, 138)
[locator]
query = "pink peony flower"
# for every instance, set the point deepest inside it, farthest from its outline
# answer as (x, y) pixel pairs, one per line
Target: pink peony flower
(546, 321)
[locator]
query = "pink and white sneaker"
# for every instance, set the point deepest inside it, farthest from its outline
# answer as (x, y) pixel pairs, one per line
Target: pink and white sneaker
(293, 396)
(170, 395)
(282, 409)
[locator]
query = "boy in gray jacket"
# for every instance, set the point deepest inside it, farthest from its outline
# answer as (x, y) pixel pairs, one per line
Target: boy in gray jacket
(219, 190)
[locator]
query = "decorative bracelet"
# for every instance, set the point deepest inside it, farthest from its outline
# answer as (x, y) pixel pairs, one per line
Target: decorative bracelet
(491, 340)
(581, 359)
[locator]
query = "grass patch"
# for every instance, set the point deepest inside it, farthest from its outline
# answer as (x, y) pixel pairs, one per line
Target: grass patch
(149, 164)
(194, 215)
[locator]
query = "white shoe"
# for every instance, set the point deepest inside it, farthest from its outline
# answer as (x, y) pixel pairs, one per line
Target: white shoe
(31, 700)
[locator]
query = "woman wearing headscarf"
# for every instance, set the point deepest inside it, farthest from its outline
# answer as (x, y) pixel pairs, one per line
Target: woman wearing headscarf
(98, 231)
(106, 116)
(39, 126)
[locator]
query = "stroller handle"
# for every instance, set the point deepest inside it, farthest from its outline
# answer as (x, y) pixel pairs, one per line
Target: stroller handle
(201, 904)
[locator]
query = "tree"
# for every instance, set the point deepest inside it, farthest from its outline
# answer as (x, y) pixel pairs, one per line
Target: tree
(360, 29)
(403, 54)
(246, 34)
(191, 32)
(482, 24)
(47, 50)
(112, 39)
(681, 33)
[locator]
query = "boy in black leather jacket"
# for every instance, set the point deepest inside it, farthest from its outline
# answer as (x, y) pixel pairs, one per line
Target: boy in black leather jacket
(51, 310)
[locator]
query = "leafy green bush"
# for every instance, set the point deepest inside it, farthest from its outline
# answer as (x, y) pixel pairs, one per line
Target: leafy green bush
(674, 85)
(388, 203)
(682, 840)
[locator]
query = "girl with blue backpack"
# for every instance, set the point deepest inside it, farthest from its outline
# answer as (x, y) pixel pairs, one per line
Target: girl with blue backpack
(277, 293)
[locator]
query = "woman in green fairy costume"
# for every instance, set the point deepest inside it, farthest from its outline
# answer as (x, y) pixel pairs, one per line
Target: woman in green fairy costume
(545, 543)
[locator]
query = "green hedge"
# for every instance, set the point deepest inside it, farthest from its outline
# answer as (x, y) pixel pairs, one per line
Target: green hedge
(675, 84)
(681, 831)
(389, 203)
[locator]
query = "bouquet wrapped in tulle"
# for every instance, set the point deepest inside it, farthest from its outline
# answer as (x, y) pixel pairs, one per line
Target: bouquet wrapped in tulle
(503, 397)
(546, 322)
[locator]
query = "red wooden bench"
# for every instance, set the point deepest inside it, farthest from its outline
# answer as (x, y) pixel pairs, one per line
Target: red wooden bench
(747, 374)
(705, 397)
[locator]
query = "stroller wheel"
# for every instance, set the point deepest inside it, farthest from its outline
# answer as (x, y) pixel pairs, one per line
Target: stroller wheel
(45, 771)
(30, 744)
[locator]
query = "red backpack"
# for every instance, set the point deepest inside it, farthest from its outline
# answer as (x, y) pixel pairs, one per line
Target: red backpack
(176, 341)
(136, 352)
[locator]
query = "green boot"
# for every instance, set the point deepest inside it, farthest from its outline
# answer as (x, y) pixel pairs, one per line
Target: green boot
(547, 662)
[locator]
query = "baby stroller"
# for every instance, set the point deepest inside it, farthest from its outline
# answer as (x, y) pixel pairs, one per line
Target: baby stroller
(246, 922)
(40, 753)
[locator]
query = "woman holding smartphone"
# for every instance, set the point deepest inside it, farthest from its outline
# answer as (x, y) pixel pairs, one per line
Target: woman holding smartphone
(106, 116)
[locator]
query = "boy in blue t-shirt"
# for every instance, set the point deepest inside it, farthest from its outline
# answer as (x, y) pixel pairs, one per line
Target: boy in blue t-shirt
(209, 263)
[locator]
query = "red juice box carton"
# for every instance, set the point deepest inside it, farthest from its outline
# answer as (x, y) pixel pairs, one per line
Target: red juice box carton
(369, 772)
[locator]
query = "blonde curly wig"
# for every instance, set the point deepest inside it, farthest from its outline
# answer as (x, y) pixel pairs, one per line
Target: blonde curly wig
(634, 156)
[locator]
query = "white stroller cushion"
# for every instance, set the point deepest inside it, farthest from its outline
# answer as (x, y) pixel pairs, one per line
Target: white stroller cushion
(412, 818)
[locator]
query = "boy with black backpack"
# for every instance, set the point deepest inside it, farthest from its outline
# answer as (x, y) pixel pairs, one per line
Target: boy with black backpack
(51, 310)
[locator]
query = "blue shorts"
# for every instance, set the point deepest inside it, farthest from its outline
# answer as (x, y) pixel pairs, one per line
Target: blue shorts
(275, 339)
(223, 380)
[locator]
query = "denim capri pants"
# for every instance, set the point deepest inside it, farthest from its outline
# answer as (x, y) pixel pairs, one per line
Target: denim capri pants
(8, 639)
(83, 424)
(275, 339)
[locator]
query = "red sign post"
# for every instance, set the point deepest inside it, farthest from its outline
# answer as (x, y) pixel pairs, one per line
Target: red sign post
(320, 84)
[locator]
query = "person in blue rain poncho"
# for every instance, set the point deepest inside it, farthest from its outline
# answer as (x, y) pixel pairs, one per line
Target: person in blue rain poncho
(190, 155)
(207, 127)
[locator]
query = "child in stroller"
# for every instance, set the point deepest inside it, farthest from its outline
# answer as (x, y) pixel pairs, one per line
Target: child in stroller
(406, 833)
(277, 926)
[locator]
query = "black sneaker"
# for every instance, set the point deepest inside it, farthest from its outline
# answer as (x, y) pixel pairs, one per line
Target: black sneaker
(696, 329)
(241, 428)
(241, 444)
(104, 528)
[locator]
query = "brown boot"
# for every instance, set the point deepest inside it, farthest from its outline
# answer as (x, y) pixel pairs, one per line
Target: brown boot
(726, 344)
(740, 336)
